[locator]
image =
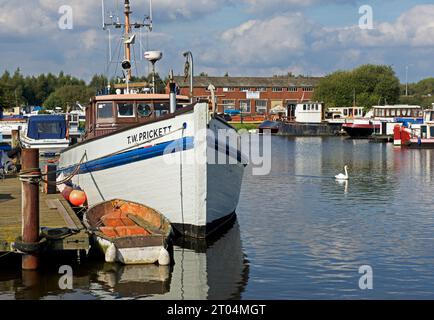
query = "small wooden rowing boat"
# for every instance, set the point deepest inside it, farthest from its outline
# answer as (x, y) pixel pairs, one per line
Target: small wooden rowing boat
(129, 233)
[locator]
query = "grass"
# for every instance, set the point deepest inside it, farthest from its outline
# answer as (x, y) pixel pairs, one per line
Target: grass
(246, 126)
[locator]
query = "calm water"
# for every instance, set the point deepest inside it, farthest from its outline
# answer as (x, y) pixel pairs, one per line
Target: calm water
(299, 235)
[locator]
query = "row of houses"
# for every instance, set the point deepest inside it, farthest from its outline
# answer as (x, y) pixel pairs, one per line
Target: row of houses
(252, 95)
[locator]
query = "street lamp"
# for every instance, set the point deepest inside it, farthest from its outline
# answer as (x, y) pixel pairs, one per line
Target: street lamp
(189, 56)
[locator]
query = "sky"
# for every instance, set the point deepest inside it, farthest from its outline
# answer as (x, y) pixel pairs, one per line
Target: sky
(238, 37)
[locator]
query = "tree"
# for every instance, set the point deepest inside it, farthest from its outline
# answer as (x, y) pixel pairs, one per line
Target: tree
(372, 84)
(66, 96)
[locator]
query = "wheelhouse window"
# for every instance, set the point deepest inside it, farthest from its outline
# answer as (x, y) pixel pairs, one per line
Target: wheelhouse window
(144, 110)
(105, 110)
(126, 110)
(161, 109)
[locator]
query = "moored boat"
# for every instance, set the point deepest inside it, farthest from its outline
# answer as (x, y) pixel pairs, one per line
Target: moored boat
(360, 128)
(129, 233)
(270, 126)
(162, 150)
(48, 133)
(416, 135)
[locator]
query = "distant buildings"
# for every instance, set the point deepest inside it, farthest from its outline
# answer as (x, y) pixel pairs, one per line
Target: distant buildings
(252, 95)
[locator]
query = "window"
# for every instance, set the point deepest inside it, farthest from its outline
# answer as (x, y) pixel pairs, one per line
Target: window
(125, 110)
(398, 112)
(144, 109)
(244, 89)
(431, 132)
(261, 106)
(228, 105)
(228, 89)
(404, 112)
(245, 106)
(105, 110)
(161, 109)
(316, 107)
(292, 89)
(345, 112)
(304, 107)
(276, 89)
(392, 112)
(308, 89)
(261, 89)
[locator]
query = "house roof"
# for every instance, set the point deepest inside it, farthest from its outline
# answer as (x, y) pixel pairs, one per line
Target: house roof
(248, 82)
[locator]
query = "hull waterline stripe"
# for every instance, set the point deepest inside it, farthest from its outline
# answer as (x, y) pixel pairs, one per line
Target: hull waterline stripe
(133, 156)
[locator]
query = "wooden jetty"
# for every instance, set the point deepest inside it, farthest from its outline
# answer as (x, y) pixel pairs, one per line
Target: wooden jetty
(55, 212)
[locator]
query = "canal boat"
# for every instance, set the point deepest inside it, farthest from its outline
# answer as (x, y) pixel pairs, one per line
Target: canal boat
(360, 128)
(162, 150)
(416, 135)
(48, 133)
(269, 126)
(129, 233)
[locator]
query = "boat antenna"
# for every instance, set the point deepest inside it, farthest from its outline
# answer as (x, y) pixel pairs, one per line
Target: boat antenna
(128, 36)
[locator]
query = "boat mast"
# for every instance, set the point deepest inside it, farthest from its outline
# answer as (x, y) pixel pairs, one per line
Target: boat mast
(127, 33)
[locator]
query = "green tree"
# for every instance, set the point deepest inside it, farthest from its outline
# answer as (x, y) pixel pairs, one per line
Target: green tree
(372, 84)
(66, 96)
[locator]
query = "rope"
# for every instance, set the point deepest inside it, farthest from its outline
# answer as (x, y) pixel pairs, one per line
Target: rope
(34, 175)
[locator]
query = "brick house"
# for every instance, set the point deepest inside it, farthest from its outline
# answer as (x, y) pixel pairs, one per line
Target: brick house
(253, 95)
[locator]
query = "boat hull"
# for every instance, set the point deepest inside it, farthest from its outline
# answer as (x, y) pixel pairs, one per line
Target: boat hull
(193, 192)
(134, 255)
(359, 130)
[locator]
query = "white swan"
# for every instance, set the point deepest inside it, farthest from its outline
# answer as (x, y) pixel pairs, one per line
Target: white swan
(342, 176)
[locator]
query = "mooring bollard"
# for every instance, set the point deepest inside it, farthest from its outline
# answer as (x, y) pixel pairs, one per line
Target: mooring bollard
(30, 205)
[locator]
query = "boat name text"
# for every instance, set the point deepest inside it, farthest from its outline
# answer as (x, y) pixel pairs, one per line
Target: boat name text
(150, 134)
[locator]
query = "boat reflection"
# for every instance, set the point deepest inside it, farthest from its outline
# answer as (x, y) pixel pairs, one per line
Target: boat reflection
(212, 269)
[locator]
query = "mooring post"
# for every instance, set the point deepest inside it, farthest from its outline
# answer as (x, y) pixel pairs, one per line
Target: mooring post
(30, 206)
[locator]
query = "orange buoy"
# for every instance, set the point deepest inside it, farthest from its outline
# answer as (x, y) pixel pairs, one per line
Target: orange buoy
(77, 198)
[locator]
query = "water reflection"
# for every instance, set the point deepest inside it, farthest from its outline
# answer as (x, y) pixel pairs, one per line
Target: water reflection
(216, 269)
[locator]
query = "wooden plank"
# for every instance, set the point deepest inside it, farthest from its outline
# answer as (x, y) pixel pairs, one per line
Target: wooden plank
(61, 209)
(55, 212)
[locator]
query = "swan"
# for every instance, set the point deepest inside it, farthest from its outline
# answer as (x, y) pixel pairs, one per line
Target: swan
(342, 176)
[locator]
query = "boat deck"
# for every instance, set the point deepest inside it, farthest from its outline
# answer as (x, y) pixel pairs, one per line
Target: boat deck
(55, 212)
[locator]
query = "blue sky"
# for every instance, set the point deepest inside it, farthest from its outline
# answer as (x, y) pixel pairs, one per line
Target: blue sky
(241, 37)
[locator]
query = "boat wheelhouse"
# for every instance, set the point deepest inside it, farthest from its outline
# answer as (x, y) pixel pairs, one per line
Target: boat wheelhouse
(390, 112)
(343, 114)
(109, 113)
(48, 133)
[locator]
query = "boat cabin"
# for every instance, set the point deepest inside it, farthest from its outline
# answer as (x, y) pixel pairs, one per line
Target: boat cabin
(397, 111)
(344, 113)
(309, 112)
(109, 113)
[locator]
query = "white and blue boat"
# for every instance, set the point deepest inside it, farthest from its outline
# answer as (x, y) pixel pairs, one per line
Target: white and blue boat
(48, 133)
